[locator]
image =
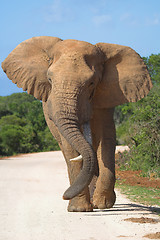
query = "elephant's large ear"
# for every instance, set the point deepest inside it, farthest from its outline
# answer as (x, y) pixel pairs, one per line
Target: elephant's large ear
(125, 77)
(28, 63)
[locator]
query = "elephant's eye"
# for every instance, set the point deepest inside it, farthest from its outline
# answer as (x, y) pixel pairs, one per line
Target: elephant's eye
(91, 84)
(50, 80)
(91, 96)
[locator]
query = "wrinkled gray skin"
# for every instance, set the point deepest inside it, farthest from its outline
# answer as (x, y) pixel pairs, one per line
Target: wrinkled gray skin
(79, 85)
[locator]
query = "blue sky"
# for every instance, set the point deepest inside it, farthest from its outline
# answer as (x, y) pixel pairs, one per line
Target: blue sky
(133, 23)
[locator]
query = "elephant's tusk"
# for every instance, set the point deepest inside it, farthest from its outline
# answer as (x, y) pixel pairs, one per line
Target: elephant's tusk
(88, 137)
(79, 158)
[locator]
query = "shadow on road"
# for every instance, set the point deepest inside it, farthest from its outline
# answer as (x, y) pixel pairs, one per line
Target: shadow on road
(119, 209)
(138, 207)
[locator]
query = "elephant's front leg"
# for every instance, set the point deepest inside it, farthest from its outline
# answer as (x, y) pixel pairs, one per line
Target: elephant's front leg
(104, 142)
(80, 203)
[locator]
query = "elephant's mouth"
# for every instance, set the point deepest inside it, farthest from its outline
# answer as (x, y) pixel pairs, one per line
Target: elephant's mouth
(87, 135)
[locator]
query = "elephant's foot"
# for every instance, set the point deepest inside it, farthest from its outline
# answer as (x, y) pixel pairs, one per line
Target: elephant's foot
(104, 200)
(79, 204)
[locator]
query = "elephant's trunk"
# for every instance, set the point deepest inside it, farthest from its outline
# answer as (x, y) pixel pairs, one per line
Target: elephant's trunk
(70, 129)
(68, 120)
(71, 100)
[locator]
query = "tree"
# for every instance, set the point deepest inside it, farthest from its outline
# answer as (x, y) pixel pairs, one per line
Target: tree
(153, 64)
(22, 126)
(140, 126)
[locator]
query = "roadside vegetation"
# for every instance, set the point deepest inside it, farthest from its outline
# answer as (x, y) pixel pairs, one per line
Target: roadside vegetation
(144, 190)
(138, 126)
(22, 126)
(142, 195)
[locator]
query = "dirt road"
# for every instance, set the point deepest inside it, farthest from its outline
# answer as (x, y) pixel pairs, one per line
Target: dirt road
(31, 205)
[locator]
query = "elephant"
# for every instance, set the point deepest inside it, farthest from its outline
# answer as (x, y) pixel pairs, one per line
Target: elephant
(80, 84)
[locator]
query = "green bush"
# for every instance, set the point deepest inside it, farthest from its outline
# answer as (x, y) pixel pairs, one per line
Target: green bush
(22, 126)
(140, 127)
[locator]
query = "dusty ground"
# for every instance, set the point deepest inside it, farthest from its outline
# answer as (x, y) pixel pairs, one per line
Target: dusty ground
(134, 178)
(31, 206)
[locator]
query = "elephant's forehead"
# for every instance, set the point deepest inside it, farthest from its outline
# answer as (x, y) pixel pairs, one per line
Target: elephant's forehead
(78, 46)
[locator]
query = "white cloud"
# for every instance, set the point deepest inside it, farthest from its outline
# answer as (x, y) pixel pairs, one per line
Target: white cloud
(101, 19)
(57, 12)
(125, 16)
(133, 20)
(129, 19)
(153, 21)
